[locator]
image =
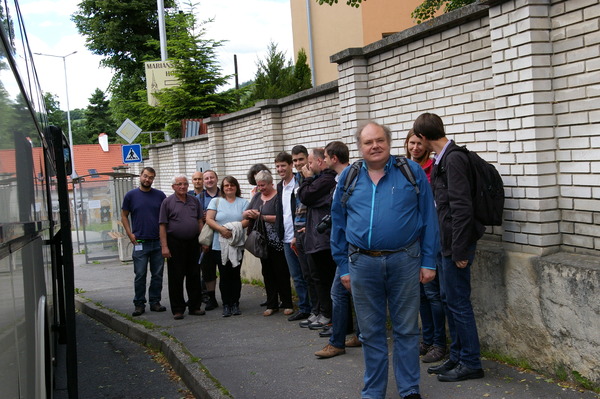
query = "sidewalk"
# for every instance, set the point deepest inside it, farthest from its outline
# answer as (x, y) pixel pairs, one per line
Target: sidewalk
(251, 356)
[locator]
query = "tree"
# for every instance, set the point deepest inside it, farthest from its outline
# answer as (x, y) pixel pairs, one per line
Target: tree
(123, 32)
(197, 69)
(276, 77)
(56, 116)
(302, 76)
(98, 117)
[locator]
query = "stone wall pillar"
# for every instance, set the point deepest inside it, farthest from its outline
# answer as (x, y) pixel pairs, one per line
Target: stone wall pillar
(522, 68)
(216, 149)
(352, 88)
(270, 118)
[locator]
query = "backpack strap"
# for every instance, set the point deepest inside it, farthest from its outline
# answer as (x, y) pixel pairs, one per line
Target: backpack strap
(407, 172)
(350, 182)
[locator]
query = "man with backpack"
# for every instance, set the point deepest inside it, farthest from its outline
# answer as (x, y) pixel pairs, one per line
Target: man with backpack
(384, 239)
(453, 184)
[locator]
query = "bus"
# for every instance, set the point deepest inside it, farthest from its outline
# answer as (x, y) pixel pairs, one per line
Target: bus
(37, 313)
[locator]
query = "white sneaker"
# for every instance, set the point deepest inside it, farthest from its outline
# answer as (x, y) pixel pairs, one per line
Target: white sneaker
(311, 319)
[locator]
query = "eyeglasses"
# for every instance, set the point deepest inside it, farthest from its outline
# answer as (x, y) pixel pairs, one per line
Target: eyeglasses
(229, 185)
(181, 184)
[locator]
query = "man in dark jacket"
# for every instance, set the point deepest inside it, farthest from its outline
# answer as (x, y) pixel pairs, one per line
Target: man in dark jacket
(316, 193)
(451, 183)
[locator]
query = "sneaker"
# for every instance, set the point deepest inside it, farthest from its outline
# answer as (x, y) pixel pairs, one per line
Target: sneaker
(353, 342)
(435, 354)
(157, 307)
(235, 309)
(412, 396)
(138, 311)
(329, 351)
(311, 319)
(424, 348)
(321, 322)
(226, 311)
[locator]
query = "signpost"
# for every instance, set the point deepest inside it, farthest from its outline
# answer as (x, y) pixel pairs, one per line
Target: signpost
(129, 131)
(132, 153)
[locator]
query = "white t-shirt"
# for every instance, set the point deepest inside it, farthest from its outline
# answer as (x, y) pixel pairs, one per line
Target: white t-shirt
(288, 221)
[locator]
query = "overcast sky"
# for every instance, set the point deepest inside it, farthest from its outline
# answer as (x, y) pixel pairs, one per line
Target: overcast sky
(247, 25)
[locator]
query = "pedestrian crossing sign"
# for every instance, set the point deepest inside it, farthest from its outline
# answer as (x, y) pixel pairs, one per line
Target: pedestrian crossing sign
(132, 153)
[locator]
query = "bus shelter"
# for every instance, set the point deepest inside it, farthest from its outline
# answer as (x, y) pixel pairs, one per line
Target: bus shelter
(97, 214)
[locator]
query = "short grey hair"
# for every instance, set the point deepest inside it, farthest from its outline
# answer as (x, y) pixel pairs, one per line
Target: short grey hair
(361, 126)
(178, 176)
(264, 175)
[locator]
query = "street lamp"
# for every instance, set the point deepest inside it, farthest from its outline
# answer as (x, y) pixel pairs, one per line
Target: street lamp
(64, 58)
(74, 173)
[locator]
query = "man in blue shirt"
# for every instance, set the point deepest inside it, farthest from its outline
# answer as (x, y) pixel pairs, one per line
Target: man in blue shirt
(385, 239)
(143, 204)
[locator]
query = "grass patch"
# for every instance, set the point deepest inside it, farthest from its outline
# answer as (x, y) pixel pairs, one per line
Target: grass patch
(562, 375)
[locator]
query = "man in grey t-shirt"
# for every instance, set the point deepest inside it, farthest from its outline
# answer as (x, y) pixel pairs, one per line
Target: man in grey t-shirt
(180, 222)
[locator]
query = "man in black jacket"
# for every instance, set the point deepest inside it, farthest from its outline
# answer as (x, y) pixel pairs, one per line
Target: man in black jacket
(316, 192)
(451, 183)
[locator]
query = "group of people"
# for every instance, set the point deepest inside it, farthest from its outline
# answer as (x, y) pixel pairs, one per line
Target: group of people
(385, 237)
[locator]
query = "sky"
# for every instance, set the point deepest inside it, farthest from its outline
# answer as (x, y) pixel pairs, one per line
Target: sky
(248, 26)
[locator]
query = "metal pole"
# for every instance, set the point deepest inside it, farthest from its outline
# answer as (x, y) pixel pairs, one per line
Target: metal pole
(162, 33)
(310, 46)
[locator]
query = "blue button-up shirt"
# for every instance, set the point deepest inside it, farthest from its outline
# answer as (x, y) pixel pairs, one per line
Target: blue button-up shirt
(385, 217)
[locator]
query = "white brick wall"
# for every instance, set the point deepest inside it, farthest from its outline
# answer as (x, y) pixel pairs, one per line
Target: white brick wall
(520, 85)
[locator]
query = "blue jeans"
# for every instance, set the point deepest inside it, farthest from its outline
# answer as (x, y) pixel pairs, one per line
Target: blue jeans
(341, 315)
(299, 282)
(433, 319)
(378, 284)
(455, 284)
(152, 254)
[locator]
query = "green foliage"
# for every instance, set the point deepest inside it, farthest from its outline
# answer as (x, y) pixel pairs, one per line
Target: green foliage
(197, 69)
(428, 8)
(351, 3)
(126, 34)
(99, 117)
(56, 116)
(123, 33)
(423, 12)
(276, 77)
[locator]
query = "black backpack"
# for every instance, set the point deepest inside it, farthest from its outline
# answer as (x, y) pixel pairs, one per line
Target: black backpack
(352, 177)
(487, 190)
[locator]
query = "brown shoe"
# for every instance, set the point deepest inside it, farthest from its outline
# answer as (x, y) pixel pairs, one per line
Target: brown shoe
(435, 354)
(197, 312)
(329, 351)
(353, 342)
(178, 316)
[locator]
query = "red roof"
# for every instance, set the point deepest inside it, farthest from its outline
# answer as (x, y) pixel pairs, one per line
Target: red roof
(91, 156)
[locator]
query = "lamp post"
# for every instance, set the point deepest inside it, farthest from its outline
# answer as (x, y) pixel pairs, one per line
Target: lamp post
(74, 174)
(64, 58)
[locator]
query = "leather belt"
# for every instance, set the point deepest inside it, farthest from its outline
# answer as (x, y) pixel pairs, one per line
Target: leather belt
(376, 253)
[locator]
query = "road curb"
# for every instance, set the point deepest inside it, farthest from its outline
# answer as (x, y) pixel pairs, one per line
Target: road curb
(191, 373)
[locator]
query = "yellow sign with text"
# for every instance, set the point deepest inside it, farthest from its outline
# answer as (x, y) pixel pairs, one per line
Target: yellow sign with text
(159, 75)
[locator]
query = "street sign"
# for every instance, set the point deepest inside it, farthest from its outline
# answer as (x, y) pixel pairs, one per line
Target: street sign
(132, 153)
(129, 130)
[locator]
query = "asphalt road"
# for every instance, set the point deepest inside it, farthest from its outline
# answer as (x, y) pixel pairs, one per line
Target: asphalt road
(110, 365)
